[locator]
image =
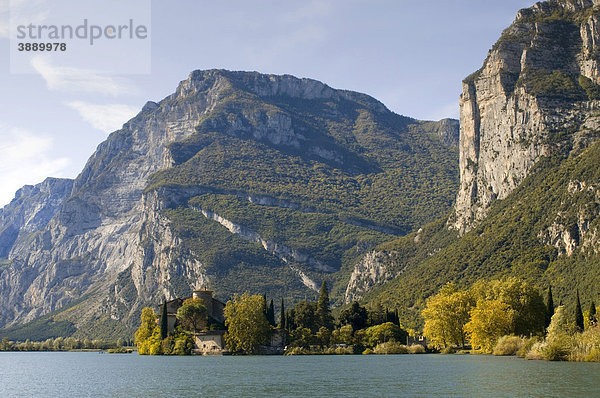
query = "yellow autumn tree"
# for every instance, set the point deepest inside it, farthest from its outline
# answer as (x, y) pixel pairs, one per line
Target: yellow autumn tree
(446, 314)
(490, 320)
(147, 336)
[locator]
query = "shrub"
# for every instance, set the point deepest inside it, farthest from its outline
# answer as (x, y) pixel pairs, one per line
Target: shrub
(586, 347)
(536, 351)
(508, 345)
(391, 347)
(368, 351)
(527, 345)
(558, 348)
(416, 349)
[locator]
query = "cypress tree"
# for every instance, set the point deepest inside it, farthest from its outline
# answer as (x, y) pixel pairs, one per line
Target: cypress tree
(578, 313)
(549, 307)
(271, 314)
(164, 321)
(282, 316)
(324, 317)
(592, 314)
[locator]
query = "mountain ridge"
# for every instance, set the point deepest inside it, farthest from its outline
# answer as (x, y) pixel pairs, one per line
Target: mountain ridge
(238, 145)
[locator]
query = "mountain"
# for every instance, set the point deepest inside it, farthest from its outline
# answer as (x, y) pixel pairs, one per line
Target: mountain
(529, 199)
(237, 181)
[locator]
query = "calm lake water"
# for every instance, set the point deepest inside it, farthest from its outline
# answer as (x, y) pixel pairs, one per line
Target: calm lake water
(90, 374)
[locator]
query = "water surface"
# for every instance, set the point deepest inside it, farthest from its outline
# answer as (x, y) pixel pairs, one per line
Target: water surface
(90, 374)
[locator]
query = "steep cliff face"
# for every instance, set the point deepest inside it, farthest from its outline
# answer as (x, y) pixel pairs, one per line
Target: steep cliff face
(236, 181)
(31, 210)
(536, 93)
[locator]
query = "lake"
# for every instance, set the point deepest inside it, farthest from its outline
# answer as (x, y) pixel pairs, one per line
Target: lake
(91, 374)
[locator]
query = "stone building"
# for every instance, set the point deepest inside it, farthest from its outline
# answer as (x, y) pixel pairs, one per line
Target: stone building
(214, 308)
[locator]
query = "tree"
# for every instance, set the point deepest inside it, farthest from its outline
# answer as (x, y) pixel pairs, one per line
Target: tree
(592, 320)
(578, 313)
(246, 322)
(559, 340)
(164, 321)
(524, 299)
(490, 320)
(549, 307)
(377, 314)
(282, 315)
(324, 336)
(147, 336)
(304, 315)
(446, 314)
(271, 313)
(355, 315)
(193, 315)
(290, 316)
(323, 312)
(343, 335)
(383, 333)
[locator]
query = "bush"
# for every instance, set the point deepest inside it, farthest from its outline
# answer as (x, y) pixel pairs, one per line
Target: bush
(587, 346)
(119, 350)
(508, 345)
(448, 350)
(368, 351)
(416, 349)
(527, 345)
(557, 349)
(536, 351)
(391, 347)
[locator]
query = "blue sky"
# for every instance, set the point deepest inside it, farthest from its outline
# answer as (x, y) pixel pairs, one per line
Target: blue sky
(411, 55)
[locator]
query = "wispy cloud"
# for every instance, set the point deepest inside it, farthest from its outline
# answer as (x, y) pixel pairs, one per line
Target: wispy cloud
(69, 79)
(26, 159)
(107, 118)
(21, 12)
(4, 18)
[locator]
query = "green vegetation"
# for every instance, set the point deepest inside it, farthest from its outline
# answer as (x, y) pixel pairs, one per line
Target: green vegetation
(148, 336)
(64, 344)
(483, 313)
(247, 325)
(552, 84)
(350, 177)
(358, 331)
(506, 311)
(192, 315)
(512, 240)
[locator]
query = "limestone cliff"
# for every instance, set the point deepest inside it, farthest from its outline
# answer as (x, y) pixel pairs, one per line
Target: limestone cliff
(535, 94)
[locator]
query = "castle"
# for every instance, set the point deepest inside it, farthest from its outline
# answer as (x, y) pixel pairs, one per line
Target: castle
(208, 342)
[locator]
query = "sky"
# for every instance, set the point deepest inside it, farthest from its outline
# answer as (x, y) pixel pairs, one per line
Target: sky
(56, 108)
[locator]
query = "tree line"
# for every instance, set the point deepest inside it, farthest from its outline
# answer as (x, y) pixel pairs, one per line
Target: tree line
(308, 327)
(62, 344)
(507, 317)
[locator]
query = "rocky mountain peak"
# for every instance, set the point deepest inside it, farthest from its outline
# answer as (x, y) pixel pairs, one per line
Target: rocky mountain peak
(535, 94)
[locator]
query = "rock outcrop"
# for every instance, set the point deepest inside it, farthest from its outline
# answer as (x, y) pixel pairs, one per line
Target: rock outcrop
(535, 94)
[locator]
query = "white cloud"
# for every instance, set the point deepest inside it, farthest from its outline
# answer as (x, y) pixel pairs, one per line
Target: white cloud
(108, 118)
(26, 159)
(18, 12)
(69, 79)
